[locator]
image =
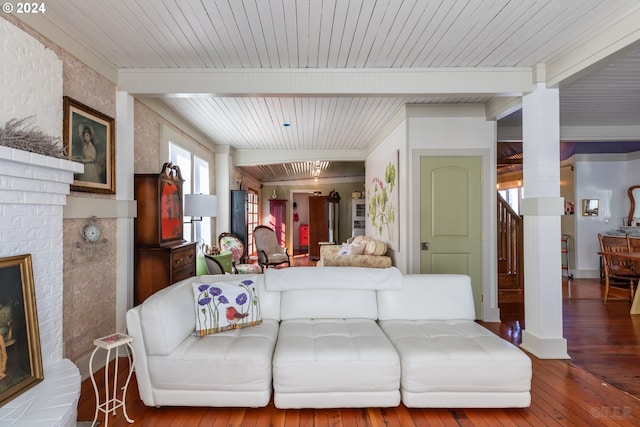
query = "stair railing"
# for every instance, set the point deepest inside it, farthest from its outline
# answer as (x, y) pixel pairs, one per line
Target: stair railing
(510, 242)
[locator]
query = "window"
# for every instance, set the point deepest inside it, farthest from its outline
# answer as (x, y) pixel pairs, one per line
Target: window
(252, 219)
(512, 196)
(195, 172)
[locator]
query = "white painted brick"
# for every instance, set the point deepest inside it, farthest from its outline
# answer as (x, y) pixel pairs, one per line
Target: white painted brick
(19, 156)
(17, 169)
(32, 79)
(50, 211)
(20, 235)
(14, 197)
(18, 210)
(6, 222)
(33, 191)
(32, 185)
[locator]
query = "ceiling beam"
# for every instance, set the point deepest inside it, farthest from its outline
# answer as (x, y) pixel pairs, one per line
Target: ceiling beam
(604, 46)
(578, 133)
(326, 82)
(600, 133)
(506, 162)
(266, 157)
(500, 107)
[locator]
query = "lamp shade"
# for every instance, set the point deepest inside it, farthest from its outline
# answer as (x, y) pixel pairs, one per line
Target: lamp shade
(200, 205)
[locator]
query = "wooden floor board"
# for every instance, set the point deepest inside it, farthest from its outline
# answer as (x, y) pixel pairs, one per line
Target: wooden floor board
(598, 386)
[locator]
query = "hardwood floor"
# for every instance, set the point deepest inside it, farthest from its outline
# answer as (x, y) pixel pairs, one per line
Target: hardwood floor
(598, 386)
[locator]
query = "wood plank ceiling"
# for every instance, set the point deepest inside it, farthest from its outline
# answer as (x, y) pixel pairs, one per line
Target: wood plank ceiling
(337, 34)
(332, 33)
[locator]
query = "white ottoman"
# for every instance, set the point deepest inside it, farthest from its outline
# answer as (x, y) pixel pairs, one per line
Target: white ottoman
(458, 363)
(332, 363)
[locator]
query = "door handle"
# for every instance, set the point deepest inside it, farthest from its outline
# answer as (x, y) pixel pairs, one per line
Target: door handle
(424, 246)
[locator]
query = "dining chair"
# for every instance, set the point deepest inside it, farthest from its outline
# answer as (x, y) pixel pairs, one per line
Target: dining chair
(269, 250)
(616, 267)
(231, 242)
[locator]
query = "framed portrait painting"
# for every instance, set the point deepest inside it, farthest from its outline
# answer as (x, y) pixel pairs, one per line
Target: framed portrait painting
(20, 353)
(89, 138)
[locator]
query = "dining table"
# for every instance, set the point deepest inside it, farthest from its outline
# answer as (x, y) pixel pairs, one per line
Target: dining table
(632, 256)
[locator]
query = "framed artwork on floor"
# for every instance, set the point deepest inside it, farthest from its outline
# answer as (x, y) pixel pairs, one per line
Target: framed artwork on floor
(20, 353)
(89, 138)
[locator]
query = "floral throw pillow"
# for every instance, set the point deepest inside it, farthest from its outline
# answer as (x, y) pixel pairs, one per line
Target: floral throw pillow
(226, 305)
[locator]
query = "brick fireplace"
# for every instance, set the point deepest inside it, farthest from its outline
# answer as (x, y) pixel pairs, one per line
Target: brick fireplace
(33, 191)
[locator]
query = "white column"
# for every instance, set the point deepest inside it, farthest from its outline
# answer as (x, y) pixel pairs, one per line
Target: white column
(542, 207)
(222, 172)
(124, 191)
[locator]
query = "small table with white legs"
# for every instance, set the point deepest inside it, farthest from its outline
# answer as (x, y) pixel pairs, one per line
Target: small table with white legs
(111, 403)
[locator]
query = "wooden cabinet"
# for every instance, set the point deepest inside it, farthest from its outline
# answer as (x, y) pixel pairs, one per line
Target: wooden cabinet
(239, 215)
(160, 266)
(159, 196)
(323, 223)
(162, 257)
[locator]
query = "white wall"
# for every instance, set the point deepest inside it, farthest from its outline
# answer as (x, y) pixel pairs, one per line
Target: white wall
(633, 177)
(453, 130)
(605, 177)
(395, 144)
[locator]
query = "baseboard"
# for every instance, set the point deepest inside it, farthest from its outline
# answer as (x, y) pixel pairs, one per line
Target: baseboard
(585, 274)
(544, 347)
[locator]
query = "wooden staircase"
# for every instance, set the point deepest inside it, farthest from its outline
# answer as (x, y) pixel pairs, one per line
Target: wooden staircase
(510, 262)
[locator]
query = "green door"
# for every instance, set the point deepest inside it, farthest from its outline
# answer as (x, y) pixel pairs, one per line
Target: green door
(451, 218)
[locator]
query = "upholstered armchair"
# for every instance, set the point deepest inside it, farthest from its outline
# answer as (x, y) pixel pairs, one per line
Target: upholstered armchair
(231, 242)
(269, 251)
(213, 265)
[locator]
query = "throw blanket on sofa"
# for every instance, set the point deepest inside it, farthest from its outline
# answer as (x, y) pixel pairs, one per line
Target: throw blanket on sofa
(361, 278)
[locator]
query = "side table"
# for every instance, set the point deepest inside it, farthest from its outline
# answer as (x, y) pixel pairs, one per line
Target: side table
(111, 403)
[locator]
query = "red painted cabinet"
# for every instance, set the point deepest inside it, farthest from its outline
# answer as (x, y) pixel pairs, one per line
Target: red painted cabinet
(304, 235)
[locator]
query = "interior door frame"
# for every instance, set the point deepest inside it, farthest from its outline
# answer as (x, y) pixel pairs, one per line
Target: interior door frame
(490, 311)
(291, 235)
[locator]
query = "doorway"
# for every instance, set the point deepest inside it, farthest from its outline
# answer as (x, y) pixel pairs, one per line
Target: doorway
(300, 222)
(451, 218)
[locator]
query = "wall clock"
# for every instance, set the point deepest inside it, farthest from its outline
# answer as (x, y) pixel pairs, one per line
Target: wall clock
(91, 231)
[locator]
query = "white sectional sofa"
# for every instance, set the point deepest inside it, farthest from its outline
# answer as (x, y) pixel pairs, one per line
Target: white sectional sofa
(447, 359)
(330, 337)
(176, 368)
(331, 351)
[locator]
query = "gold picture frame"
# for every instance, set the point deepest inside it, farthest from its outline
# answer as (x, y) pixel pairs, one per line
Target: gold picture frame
(89, 138)
(590, 207)
(20, 353)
